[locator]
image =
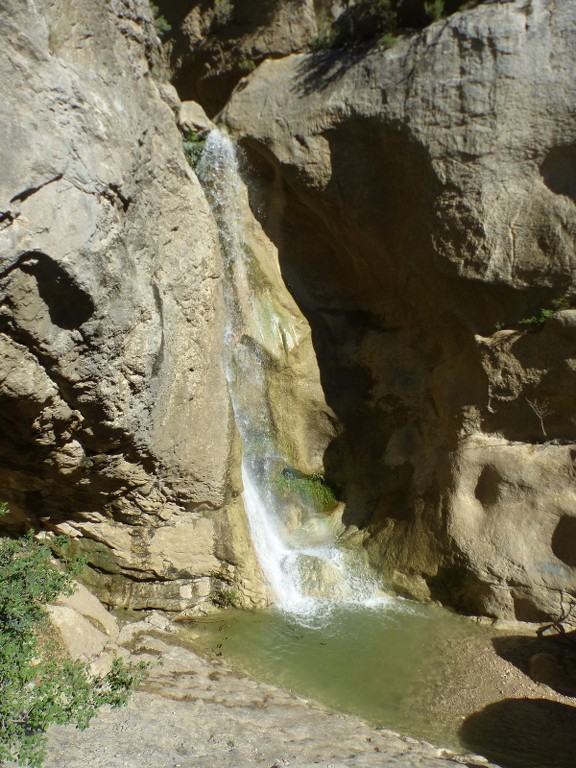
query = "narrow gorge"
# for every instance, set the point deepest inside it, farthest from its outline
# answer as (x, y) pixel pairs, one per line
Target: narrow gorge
(288, 304)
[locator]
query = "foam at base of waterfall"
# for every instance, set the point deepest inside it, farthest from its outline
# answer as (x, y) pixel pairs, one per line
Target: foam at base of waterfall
(316, 612)
(307, 582)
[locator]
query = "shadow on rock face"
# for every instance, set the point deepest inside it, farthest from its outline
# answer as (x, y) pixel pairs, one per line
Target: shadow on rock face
(546, 659)
(559, 171)
(523, 733)
(68, 305)
(322, 68)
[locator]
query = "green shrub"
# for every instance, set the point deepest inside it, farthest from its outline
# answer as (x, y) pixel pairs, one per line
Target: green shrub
(324, 40)
(383, 20)
(193, 144)
(545, 312)
(366, 20)
(160, 23)
(538, 319)
(38, 687)
(309, 490)
(434, 9)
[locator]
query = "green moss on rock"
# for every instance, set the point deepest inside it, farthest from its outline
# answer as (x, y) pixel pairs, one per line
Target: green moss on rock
(309, 490)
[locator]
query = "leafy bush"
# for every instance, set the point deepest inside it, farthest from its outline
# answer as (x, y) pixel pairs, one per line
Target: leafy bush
(365, 20)
(324, 39)
(434, 9)
(223, 13)
(38, 687)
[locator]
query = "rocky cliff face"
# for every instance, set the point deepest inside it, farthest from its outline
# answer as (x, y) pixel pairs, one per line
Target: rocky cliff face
(419, 200)
(213, 44)
(115, 421)
(422, 200)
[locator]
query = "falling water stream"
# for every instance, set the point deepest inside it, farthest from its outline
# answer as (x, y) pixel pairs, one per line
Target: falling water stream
(307, 569)
(332, 634)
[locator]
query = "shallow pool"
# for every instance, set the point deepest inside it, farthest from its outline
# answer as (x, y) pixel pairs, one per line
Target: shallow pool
(387, 664)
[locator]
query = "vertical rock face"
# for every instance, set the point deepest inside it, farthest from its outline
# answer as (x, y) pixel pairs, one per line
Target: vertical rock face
(214, 43)
(422, 201)
(115, 421)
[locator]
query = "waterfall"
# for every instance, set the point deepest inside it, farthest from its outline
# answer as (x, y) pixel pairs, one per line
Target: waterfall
(308, 568)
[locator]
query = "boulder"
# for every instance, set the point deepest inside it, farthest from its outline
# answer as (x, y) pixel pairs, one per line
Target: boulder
(89, 607)
(79, 637)
(193, 118)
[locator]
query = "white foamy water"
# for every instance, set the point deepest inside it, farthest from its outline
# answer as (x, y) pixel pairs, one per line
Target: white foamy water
(307, 569)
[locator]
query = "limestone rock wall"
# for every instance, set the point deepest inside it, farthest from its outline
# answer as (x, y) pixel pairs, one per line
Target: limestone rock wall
(215, 43)
(115, 421)
(422, 201)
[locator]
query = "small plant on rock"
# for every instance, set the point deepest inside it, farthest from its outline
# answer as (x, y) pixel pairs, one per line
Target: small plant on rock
(538, 319)
(388, 40)
(247, 65)
(160, 23)
(545, 312)
(228, 598)
(541, 408)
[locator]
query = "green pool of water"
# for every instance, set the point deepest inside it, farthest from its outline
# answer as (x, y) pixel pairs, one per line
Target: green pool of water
(388, 665)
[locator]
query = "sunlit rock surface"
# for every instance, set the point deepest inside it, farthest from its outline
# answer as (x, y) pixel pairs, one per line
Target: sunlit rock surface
(115, 421)
(214, 44)
(419, 202)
